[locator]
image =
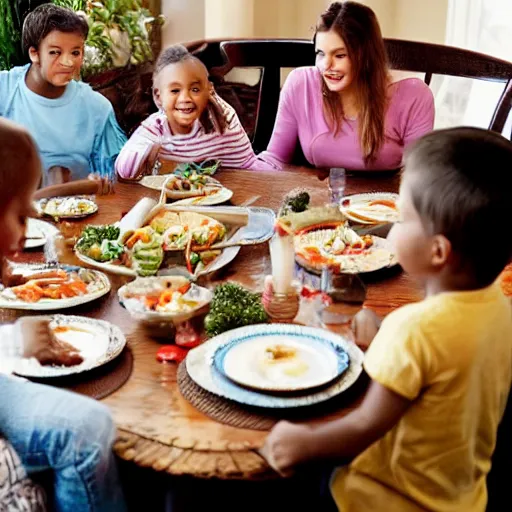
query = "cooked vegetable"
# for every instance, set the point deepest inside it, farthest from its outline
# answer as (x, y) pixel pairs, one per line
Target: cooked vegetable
(296, 201)
(233, 306)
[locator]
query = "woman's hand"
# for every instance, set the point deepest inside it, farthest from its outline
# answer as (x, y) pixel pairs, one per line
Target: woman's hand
(365, 325)
(287, 446)
(40, 342)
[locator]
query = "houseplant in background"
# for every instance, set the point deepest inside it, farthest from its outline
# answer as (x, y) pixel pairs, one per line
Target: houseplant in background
(119, 33)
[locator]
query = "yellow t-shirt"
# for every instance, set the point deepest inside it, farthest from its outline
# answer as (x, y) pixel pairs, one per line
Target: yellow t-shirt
(451, 355)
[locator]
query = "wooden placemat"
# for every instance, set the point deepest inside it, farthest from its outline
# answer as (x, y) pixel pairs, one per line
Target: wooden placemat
(100, 382)
(233, 414)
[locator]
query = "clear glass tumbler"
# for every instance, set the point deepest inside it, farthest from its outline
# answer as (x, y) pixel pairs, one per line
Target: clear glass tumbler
(337, 181)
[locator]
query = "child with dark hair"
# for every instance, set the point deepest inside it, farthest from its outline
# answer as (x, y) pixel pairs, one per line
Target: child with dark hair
(49, 428)
(440, 369)
(74, 127)
(193, 124)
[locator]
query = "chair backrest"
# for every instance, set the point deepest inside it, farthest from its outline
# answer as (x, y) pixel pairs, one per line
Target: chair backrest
(271, 55)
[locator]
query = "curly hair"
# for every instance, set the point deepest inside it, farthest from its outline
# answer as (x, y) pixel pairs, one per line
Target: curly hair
(45, 19)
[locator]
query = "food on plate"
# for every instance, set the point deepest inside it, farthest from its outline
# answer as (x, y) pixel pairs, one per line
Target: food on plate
(296, 201)
(506, 280)
(371, 208)
(233, 306)
(67, 206)
(280, 352)
(312, 218)
(55, 284)
(341, 249)
(194, 185)
(143, 249)
(100, 243)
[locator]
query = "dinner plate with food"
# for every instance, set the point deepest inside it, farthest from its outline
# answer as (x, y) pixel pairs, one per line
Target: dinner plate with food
(97, 342)
(66, 207)
(193, 189)
(371, 209)
(37, 233)
(338, 364)
(323, 238)
(164, 299)
(44, 288)
(279, 362)
(161, 237)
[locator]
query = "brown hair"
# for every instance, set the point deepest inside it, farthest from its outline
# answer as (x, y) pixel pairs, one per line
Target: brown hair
(463, 192)
(48, 17)
(213, 118)
(17, 153)
(357, 25)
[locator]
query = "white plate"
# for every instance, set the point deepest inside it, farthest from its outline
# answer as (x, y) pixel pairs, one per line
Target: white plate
(39, 230)
(157, 182)
(201, 369)
(68, 213)
(377, 257)
(360, 202)
(97, 341)
(223, 195)
(311, 362)
(56, 304)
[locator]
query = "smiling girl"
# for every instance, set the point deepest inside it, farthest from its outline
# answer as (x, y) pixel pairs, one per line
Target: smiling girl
(345, 111)
(74, 127)
(193, 123)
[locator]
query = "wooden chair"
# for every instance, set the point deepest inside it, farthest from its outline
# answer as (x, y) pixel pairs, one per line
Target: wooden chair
(272, 55)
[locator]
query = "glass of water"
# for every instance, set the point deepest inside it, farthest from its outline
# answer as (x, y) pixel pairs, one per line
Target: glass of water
(337, 181)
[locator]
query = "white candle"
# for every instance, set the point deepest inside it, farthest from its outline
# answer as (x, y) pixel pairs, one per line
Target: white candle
(282, 256)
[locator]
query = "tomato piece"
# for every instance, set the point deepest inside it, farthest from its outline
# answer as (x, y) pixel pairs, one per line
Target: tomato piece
(167, 353)
(184, 288)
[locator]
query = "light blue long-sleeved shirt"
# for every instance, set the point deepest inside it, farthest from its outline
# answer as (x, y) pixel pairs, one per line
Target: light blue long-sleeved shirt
(78, 130)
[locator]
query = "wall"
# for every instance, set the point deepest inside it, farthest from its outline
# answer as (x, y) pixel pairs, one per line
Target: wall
(196, 19)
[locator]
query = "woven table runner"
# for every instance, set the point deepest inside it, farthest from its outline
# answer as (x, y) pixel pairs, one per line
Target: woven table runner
(100, 382)
(236, 415)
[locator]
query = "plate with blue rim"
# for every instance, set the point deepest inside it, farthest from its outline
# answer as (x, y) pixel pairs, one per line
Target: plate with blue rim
(206, 365)
(281, 362)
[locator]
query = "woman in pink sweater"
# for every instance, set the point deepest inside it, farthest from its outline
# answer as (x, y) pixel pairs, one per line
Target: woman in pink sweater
(346, 112)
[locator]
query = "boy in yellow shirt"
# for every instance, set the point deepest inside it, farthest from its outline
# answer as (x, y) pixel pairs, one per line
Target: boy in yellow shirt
(440, 369)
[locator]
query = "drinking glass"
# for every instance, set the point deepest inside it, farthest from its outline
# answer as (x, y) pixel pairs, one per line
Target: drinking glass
(337, 181)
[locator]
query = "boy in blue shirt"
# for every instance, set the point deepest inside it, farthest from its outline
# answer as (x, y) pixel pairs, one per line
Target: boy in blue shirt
(74, 127)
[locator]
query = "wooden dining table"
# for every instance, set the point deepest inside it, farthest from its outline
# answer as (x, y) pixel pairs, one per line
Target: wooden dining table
(157, 427)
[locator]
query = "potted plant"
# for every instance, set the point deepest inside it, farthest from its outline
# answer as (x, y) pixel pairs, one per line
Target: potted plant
(119, 33)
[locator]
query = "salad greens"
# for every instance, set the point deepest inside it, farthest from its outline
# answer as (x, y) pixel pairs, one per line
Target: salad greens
(208, 167)
(233, 306)
(100, 243)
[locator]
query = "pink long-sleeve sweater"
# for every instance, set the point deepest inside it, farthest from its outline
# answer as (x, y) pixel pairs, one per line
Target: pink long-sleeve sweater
(410, 115)
(233, 147)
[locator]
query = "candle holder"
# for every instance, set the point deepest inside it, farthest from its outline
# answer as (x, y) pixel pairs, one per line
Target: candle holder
(280, 307)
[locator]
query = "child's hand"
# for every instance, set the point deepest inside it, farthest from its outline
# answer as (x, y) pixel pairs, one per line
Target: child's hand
(105, 185)
(40, 342)
(287, 446)
(365, 325)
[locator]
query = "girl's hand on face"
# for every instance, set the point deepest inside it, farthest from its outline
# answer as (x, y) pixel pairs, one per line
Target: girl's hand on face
(365, 324)
(287, 446)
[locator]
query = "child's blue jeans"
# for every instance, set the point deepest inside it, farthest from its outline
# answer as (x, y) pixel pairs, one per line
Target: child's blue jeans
(68, 433)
